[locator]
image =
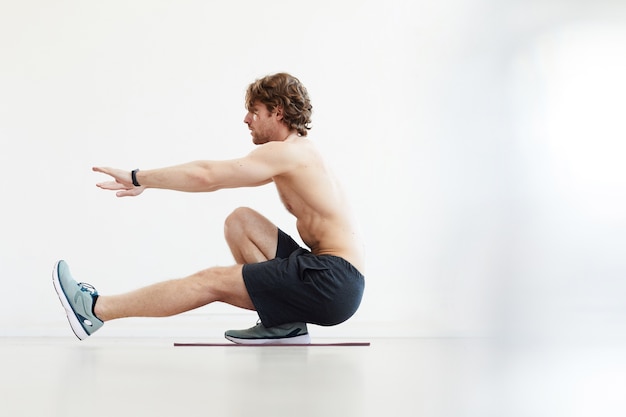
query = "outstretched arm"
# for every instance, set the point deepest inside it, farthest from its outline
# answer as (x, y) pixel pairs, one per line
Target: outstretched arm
(257, 168)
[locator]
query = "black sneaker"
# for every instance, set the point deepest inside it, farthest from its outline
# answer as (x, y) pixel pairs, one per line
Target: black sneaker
(285, 334)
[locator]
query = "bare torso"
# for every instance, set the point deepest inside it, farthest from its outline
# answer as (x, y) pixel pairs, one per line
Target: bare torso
(324, 219)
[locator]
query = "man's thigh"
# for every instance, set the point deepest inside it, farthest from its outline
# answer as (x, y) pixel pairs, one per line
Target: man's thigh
(227, 285)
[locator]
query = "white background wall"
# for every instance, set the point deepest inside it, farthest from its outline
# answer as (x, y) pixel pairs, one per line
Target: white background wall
(482, 142)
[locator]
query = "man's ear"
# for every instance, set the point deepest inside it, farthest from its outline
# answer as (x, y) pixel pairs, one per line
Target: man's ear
(279, 112)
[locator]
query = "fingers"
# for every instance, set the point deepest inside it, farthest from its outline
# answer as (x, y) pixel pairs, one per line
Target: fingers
(112, 185)
(122, 190)
(104, 170)
(130, 192)
(119, 175)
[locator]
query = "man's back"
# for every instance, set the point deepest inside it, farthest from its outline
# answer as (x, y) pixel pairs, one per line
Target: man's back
(312, 194)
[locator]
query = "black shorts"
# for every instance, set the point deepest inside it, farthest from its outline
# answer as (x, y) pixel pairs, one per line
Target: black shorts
(298, 286)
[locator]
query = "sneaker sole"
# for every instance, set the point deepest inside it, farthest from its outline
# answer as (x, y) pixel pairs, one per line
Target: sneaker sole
(304, 339)
(77, 328)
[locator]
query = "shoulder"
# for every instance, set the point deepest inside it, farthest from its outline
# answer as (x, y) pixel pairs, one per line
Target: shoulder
(294, 150)
(286, 157)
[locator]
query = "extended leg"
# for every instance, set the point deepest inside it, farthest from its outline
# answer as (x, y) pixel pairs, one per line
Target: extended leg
(177, 296)
(86, 311)
(251, 238)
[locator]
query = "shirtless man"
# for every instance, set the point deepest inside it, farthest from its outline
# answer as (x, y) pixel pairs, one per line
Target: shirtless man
(287, 285)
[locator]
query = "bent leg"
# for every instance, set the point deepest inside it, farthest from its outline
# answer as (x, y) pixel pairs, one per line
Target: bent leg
(250, 236)
(176, 296)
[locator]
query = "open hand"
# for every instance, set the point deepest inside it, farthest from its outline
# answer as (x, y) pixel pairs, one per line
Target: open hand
(123, 183)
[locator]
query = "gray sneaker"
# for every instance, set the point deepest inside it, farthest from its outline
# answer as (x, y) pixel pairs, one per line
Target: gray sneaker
(285, 334)
(77, 299)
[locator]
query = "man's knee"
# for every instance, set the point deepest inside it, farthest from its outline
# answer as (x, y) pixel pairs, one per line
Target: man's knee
(240, 215)
(235, 222)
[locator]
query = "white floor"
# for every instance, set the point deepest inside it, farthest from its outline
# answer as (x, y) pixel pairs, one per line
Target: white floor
(392, 377)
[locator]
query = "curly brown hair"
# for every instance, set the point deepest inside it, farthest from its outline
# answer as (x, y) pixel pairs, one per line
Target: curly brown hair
(285, 91)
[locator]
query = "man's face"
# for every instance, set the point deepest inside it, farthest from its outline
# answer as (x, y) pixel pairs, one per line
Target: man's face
(261, 122)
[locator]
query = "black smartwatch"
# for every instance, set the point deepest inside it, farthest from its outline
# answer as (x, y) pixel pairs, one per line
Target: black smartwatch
(133, 175)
